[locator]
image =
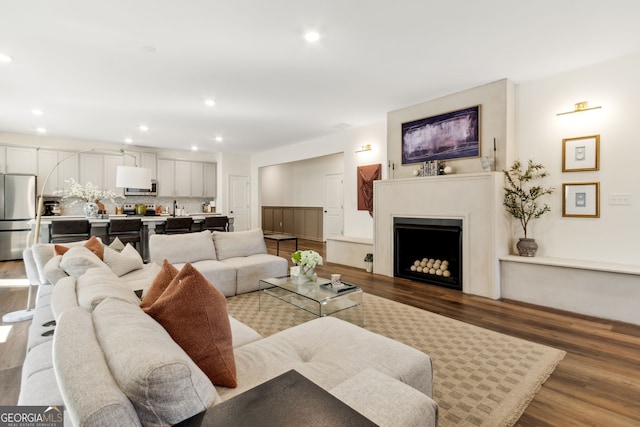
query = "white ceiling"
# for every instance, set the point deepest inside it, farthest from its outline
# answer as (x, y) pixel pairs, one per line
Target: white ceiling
(86, 64)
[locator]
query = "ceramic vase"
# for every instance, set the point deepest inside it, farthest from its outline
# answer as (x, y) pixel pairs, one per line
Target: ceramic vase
(527, 247)
(368, 266)
(487, 163)
(90, 210)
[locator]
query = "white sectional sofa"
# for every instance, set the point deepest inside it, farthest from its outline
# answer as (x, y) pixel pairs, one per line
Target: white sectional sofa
(109, 363)
(233, 262)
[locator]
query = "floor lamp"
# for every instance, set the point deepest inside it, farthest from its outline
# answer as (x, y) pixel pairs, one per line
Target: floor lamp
(126, 176)
(20, 315)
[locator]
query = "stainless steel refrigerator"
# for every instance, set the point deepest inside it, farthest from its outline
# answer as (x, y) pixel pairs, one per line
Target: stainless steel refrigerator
(17, 208)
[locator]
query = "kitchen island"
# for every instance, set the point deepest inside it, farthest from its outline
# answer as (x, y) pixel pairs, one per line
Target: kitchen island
(99, 226)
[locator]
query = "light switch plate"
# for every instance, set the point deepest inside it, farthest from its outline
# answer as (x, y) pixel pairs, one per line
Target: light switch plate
(621, 199)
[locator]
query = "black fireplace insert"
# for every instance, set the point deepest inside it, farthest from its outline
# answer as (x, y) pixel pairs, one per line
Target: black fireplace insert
(428, 250)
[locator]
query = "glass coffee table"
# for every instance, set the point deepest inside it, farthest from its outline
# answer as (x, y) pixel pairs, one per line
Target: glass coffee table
(347, 305)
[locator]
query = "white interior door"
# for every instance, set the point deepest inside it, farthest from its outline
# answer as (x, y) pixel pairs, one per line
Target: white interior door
(239, 202)
(333, 206)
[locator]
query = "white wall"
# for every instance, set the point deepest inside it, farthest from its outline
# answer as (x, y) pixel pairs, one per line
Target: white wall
(357, 223)
(615, 86)
(229, 164)
(360, 223)
(276, 185)
(496, 121)
(309, 179)
(298, 183)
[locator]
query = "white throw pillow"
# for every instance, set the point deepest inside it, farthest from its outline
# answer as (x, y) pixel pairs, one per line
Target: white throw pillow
(78, 259)
(117, 245)
(43, 252)
(123, 262)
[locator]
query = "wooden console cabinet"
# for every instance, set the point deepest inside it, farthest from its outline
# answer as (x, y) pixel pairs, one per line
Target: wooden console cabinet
(303, 222)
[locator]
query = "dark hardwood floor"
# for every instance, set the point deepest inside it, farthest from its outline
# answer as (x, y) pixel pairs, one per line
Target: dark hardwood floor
(597, 384)
(13, 336)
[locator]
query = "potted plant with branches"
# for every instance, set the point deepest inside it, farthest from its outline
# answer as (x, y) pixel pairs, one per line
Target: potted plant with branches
(522, 199)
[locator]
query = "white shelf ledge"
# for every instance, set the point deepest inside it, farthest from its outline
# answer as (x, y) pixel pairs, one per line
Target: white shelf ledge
(608, 267)
(361, 240)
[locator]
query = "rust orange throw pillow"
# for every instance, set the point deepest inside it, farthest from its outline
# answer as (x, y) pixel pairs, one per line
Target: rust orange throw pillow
(93, 244)
(194, 313)
(159, 284)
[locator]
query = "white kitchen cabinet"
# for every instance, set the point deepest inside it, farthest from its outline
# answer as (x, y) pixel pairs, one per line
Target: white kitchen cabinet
(101, 170)
(148, 160)
(92, 169)
(197, 179)
(67, 168)
(210, 180)
(111, 164)
(47, 161)
(166, 178)
(22, 160)
(3, 159)
(130, 158)
(183, 179)
(180, 178)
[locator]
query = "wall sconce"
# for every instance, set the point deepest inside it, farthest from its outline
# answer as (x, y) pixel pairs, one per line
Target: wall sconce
(364, 148)
(579, 107)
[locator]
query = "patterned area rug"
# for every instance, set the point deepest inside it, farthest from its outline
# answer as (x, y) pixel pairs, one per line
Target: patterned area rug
(481, 377)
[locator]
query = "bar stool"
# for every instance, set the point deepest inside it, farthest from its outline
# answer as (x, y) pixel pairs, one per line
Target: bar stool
(216, 223)
(127, 230)
(69, 230)
(178, 225)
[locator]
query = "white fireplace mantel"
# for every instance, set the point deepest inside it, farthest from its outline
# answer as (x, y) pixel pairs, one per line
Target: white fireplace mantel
(474, 198)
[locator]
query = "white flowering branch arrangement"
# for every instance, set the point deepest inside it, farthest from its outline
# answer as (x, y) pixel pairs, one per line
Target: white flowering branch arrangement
(87, 192)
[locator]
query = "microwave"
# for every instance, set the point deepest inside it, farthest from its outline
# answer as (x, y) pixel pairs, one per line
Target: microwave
(153, 191)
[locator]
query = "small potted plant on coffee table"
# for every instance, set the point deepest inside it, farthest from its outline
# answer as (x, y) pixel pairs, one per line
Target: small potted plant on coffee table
(521, 199)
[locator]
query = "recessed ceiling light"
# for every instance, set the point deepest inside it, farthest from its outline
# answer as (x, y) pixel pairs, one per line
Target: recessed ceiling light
(194, 148)
(37, 112)
(5, 57)
(128, 140)
(41, 130)
(218, 139)
(143, 128)
(312, 36)
(210, 102)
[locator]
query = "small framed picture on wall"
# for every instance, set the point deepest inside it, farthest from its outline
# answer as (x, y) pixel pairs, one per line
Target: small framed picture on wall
(581, 199)
(581, 154)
